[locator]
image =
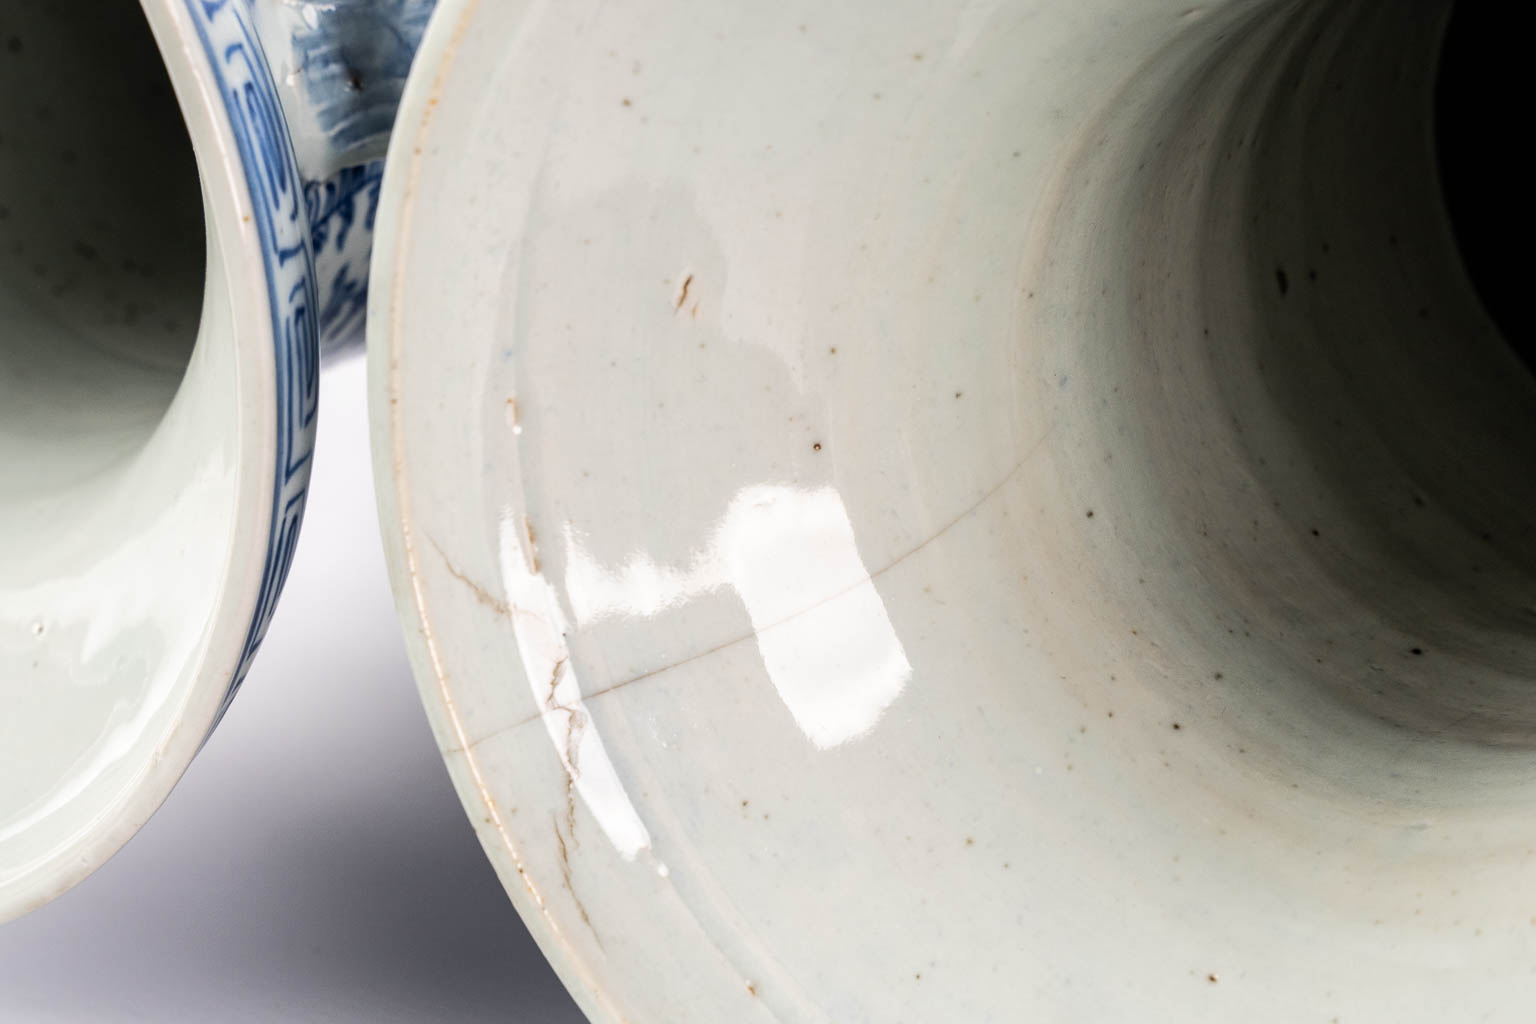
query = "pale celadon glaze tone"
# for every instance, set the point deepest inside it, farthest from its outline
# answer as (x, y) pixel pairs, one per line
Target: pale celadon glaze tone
(964, 512)
(168, 270)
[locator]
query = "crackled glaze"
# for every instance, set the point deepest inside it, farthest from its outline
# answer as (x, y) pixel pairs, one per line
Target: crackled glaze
(964, 512)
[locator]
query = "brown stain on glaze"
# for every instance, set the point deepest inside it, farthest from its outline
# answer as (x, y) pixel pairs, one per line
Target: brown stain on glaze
(565, 877)
(960, 517)
(581, 964)
(485, 597)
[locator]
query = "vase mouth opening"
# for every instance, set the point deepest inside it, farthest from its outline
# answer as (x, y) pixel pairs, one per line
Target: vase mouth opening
(102, 250)
(1311, 444)
(1062, 435)
(124, 400)
(1478, 80)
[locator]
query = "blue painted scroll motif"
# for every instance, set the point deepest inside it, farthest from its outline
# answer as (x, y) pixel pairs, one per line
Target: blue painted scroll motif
(241, 74)
(310, 88)
(341, 214)
(341, 66)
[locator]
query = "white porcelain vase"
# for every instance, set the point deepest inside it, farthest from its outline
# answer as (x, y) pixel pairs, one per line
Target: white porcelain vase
(992, 511)
(187, 193)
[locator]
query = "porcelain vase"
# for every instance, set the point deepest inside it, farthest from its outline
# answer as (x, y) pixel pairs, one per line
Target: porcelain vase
(997, 511)
(187, 195)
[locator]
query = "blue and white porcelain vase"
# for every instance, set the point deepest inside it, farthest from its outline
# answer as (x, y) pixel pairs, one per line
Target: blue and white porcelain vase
(187, 195)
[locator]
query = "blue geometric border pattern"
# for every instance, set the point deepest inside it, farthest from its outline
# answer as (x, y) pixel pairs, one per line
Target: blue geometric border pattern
(277, 200)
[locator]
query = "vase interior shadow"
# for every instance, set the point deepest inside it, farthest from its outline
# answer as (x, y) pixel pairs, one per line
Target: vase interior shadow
(1314, 440)
(101, 247)
(1052, 456)
(118, 419)
(1479, 80)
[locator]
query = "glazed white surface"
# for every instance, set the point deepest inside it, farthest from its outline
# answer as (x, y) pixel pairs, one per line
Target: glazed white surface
(835, 564)
(245, 900)
(136, 435)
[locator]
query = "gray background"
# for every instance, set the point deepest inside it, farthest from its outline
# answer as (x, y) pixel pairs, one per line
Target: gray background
(314, 864)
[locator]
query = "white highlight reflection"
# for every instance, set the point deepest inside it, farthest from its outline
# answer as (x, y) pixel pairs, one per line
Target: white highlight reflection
(825, 637)
(541, 629)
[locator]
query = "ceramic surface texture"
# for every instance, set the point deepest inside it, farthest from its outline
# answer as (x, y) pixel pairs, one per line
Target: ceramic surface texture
(339, 67)
(156, 418)
(964, 512)
(245, 900)
(157, 413)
